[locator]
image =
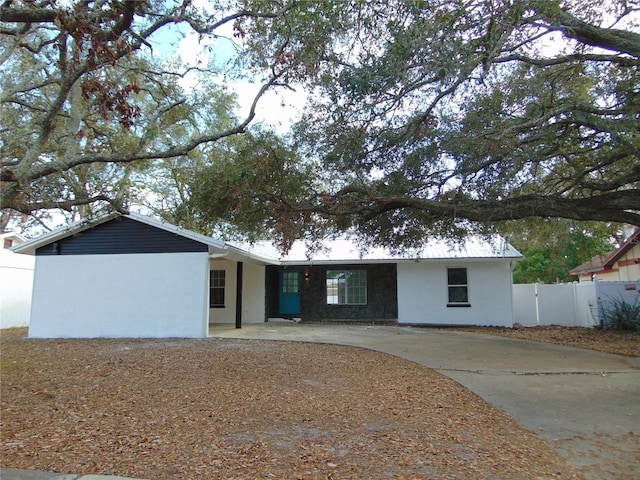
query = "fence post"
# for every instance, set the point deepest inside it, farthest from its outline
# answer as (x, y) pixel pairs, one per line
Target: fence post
(599, 315)
(535, 290)
(576, 308)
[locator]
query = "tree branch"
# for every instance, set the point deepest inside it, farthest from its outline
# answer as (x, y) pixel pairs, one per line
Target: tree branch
(622, 41)
(29, 15)
(575, 58)
(620, 206)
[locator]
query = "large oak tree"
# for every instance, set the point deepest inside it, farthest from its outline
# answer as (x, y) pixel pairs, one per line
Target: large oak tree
(87, 97)
(446, 116)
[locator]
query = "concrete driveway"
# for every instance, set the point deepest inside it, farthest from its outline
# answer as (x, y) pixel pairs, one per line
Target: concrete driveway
(584, 403)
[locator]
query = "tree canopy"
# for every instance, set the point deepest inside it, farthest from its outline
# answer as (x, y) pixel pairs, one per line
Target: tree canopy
(555, 246)
(426, 117)
(86, 100)
(442, 116)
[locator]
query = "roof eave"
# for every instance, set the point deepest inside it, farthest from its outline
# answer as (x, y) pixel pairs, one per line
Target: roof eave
(365, 261)
(585, 271)
(238, 254)
(30, 246)
(624, 248)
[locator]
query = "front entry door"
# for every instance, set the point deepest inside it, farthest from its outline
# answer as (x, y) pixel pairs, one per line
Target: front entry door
(290, 292)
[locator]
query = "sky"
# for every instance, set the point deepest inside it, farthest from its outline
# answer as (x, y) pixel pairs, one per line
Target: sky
(278, 108)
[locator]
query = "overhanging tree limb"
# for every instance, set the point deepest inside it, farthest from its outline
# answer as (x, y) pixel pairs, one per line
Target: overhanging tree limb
(91, 40)
(619, 206)
(623, 41)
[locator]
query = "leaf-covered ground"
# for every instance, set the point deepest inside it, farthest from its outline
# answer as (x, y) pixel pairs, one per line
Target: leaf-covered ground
(610, 341)
(251, 409)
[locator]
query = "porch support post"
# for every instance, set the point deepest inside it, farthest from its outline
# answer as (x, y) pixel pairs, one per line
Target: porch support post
(239, 295)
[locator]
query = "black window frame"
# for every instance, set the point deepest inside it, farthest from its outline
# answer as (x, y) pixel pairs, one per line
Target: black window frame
(458, 287)
(217, 286)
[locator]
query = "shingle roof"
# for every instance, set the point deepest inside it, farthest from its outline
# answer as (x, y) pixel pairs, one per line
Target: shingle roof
(600, 263)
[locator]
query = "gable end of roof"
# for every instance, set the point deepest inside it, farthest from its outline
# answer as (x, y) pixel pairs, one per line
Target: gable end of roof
(29, 247)
(629, 243)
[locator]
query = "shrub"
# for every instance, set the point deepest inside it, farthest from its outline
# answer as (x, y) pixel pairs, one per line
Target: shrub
(619, 314)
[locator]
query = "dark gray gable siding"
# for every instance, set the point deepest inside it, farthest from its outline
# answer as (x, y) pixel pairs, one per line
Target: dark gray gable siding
(122, 235)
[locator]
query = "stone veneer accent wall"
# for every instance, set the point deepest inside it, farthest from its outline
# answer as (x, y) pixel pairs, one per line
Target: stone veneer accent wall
(382, 295)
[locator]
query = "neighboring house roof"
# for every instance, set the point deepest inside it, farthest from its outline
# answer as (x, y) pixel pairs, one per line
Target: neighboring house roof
(29, 247)
(14, 238)
(345, 250)
(596, 264)
(600, 263)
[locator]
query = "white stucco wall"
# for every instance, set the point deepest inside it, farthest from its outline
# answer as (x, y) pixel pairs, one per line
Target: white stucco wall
(228, 313)
(16, 281)
(253, 294)
(135, 295)
(422, 294)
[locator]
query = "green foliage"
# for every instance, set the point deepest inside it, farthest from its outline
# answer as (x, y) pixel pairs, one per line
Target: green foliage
(440, 117)
(247, 194)
(554, 247)
(426, 117)
(168, 183)
(92, 103)
(619, 314)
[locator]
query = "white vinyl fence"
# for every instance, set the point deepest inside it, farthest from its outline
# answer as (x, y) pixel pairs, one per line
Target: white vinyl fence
(569, 304)
(16, 280)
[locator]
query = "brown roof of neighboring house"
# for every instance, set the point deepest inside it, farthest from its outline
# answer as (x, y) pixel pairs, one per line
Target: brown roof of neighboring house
(600, 263)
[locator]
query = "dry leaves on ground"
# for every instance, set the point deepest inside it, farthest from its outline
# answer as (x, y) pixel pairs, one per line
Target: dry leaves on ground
(610, 341)
(200, 409)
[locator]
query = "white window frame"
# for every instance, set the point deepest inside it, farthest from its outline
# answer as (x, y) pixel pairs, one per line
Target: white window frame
(342, 291)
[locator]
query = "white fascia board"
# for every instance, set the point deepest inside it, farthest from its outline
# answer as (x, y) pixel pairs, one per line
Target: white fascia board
(239, 255)
(29, 247)
(354, 261)
(465, 260)
(461, 260)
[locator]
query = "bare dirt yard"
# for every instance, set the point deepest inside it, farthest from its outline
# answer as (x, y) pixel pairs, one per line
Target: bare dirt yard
(610, 341)
(251, 409)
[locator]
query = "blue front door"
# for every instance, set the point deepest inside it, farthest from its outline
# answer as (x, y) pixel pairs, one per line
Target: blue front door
(289, 292)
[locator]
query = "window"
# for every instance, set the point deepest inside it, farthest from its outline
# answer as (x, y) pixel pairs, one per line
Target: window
(8, 243)
(346, 287)
(290, 282)
(458, 287)
(216, 288)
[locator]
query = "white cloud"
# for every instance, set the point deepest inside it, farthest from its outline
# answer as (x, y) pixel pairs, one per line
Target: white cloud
(278, 108)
